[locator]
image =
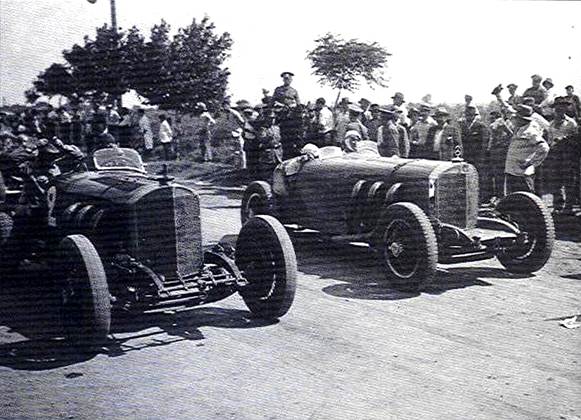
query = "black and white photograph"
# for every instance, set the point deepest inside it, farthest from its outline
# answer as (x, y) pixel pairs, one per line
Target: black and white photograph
(290, 210)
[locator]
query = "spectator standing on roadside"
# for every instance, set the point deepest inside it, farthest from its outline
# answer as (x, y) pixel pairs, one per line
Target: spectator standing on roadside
(165, 136)
(388, 135)
(501, 132)
(536, 91)
(292, 128)
(513, 98)
(269, 145)
(374, 122)
(355, 113)
(527, 150)
(285, 90)
(324, 124)
(341, 120)
(146, 132)
(559, 167)
(113, 120)
(419, 131)
(575, 110)
(474, 143)
(207, 123)
(546, 107)
(398, 101)
(443, 138)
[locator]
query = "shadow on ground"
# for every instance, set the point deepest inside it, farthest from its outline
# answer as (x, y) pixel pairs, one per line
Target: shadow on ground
(31, 336)
(361, 273)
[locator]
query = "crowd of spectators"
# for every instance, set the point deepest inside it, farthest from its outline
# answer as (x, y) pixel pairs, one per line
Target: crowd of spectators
(528, 141)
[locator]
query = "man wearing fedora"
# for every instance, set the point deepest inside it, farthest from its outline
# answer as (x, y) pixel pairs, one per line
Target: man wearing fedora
(285, 90)
(398, 101)
(527, 151)
(546, 107)
(388, 136)
(559, 167)
(419, 131)
(443, 139)
(536, 91)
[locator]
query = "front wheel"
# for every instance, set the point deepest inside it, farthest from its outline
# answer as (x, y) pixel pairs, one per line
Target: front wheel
(257, 199)
(408, 246)
(85, 304)
(530, 215)
(266, 258)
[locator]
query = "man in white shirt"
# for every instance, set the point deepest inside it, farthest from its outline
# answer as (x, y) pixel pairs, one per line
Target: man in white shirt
(527, 150)
(165, 136)
(205, 131)
(145, 130)
(324, 123)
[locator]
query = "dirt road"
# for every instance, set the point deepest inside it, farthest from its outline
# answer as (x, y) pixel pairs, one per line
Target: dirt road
(478, 344)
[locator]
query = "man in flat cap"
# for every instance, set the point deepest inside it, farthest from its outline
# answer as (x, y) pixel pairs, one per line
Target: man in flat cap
(513, 98)
(443, 138)
(546, 107)
(536, 91)
(575, 110)
(419, 131)
(527, 151)
(398, 101)
(286, 90)
(355, 113)
(392, 139)
(559, 167)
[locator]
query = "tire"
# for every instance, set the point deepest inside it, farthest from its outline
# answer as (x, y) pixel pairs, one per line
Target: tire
(266, 258)
(528, 212)
(409, 247)
(85, 305)
(257, 199)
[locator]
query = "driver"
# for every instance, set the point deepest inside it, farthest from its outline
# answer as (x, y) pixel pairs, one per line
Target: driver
(100, 137)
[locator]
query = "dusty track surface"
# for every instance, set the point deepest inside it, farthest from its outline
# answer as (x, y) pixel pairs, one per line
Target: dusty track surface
(479, 343)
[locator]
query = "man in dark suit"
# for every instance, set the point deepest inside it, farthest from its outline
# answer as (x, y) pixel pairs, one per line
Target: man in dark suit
(443, 139)
(475, 136)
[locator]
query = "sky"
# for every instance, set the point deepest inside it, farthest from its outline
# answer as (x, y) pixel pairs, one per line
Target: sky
(445, 48)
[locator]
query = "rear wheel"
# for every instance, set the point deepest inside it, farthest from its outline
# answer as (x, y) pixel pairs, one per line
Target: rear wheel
(266, 258)
(257, 199)
(528, 212)
(409, 247)
(86, 306)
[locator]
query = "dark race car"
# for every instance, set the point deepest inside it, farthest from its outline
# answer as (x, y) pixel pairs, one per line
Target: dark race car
(118, 238)
(414, 213)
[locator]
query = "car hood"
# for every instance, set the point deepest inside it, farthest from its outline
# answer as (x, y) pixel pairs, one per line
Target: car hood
(123, 187)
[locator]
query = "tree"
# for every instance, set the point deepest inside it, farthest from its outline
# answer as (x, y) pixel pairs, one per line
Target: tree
(174, 73)
(55, 80)
(31, 95)
(187, 70)
(343, 63)
(99, 65)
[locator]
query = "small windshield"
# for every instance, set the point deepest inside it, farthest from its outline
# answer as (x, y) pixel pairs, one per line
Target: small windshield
(118, 158)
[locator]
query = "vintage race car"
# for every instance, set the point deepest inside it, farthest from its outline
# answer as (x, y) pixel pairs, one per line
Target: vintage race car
(414, 213)
(118, 238)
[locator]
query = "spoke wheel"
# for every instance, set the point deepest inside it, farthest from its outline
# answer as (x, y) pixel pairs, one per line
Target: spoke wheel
(529, 214)
(409, 247)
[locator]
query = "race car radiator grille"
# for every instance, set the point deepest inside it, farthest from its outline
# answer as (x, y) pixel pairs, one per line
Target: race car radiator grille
(169, 239)
(457, 196)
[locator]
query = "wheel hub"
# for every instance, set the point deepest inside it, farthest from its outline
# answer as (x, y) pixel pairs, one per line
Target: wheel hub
(395, 248)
